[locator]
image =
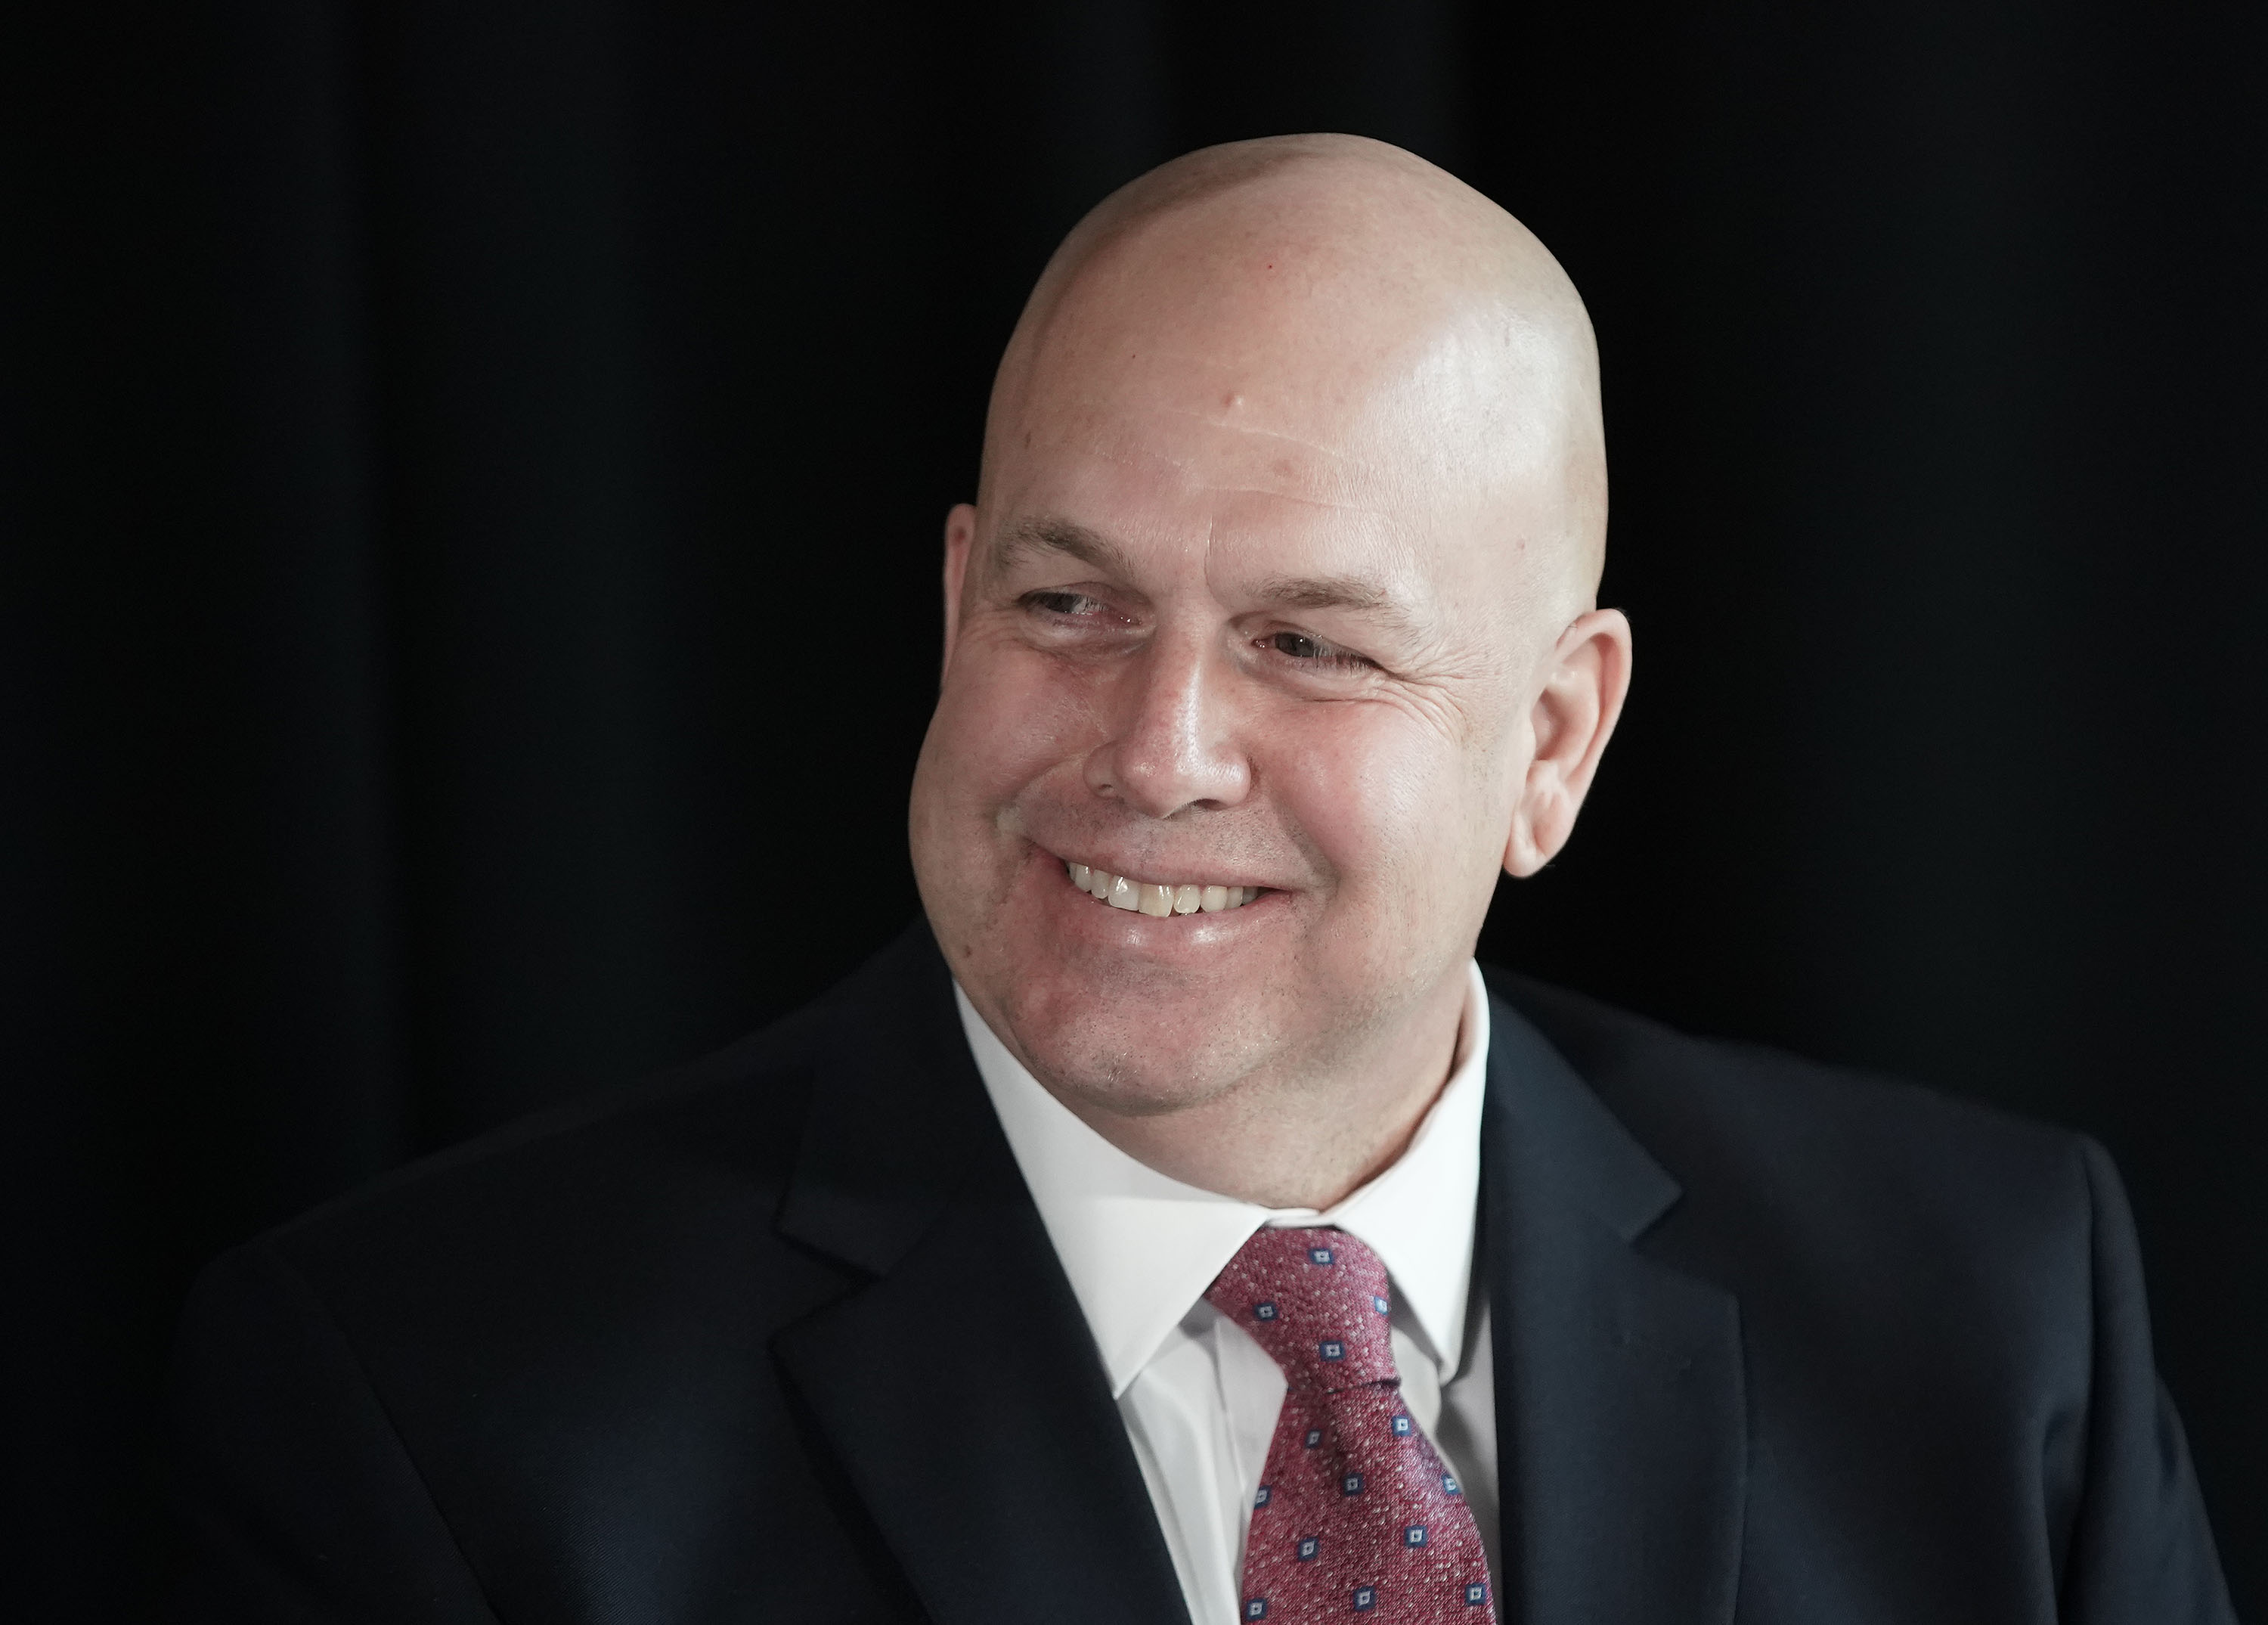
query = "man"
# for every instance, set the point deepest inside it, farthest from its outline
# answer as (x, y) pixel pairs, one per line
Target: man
(1176, 1225)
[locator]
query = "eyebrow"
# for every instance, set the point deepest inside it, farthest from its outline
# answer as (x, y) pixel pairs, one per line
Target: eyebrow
(1091, 548)
(1337, 592)
(1097, 551)
(1361, 594)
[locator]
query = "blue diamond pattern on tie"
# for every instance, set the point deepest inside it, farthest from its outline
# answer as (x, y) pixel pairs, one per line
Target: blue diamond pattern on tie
(1358, 1513)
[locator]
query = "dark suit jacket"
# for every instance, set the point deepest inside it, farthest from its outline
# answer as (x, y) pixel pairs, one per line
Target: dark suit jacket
(783, 1339)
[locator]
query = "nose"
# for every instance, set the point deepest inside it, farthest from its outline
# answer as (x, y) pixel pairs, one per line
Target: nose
(1175, 743)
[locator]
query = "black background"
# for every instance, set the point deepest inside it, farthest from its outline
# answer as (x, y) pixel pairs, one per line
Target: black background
(470, 483)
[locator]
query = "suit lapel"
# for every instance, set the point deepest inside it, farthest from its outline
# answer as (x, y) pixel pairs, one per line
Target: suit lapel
(959, 1390)
(1621, 1422)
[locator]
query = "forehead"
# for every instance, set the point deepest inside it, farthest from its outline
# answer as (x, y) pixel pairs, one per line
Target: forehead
(1285, 379)
(1259, 454)
(1293, 377)
(1186, 498)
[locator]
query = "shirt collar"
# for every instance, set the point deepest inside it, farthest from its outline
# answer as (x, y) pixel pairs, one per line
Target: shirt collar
(1141, 1248)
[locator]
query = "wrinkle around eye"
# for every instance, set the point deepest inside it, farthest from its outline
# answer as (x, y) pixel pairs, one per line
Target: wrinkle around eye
(1328, 660)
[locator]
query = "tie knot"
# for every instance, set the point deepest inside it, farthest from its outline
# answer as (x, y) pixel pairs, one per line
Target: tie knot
(1316, 1301)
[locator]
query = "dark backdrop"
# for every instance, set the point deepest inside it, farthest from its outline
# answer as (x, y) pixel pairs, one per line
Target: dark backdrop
(469, 492)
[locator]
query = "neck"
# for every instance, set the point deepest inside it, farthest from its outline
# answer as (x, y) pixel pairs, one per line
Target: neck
(1294, 1136)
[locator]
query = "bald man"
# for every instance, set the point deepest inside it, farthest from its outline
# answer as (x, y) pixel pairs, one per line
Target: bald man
(1178, 1225)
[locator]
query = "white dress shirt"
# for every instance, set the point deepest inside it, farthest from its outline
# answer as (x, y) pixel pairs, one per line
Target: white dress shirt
(1198, 1396)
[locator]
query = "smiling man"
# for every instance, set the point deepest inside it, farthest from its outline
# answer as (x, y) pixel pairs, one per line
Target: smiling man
(1177, 1224)
(1278, 586)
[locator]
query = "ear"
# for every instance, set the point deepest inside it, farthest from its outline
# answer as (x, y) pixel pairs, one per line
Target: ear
(1585, 678)
(960, 536)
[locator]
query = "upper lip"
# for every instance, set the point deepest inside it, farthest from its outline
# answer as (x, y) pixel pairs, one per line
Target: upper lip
(1195, 875)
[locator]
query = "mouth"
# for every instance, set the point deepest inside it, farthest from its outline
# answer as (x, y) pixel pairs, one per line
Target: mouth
(1159, 899)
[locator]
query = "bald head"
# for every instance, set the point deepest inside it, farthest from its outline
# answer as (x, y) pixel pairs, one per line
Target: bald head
(1365, 309)
(1269, 645)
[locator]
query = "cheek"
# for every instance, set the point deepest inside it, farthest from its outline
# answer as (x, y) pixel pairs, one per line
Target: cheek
(1385, 799)
(1005, 718)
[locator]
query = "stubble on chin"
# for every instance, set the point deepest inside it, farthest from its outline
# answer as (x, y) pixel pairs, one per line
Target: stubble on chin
(1113, 1063)
(1118, 1053)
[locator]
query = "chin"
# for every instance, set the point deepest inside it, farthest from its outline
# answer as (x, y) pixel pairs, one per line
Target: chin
(1148, 1043)
(1131, 1051)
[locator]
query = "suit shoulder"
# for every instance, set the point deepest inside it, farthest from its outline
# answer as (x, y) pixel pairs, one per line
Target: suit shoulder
(742, 1105)
(1747, 1122)
(602, 1203)
(736, 1114)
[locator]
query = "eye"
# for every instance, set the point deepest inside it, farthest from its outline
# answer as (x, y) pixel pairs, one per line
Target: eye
(1314, 653)
(1064, 603)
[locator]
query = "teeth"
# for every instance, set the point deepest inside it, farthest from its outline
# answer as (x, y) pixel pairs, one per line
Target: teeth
(1155, 900)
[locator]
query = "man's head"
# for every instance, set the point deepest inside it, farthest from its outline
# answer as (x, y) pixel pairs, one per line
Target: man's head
(1280, 576)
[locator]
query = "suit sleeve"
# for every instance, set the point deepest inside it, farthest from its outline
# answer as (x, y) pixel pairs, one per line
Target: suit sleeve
(292, 1496)
(2141, 1549)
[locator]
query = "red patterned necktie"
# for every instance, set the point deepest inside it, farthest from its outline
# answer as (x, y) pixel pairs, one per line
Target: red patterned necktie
(1355, 1514)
